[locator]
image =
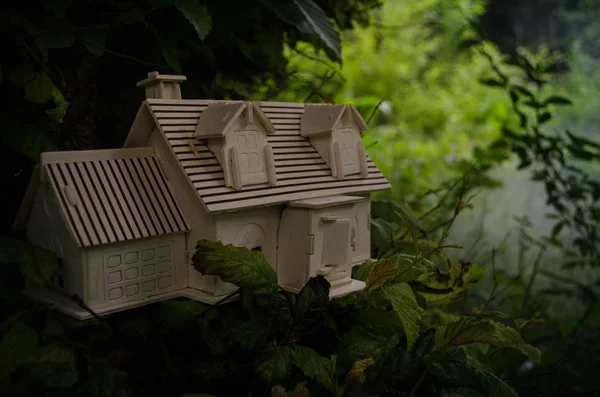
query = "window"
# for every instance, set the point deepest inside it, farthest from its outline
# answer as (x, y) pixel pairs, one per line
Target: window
(250, 153)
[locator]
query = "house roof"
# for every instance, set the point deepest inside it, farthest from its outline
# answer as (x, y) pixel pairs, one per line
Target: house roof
(219, 116)
(301, 172)
(323, 118)
(109, 196)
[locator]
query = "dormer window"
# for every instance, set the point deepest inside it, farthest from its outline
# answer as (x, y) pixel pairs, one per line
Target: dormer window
(236, 132)
(334, 130)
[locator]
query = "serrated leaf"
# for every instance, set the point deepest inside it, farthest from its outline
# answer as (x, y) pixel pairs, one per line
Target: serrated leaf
(404, 303)
(357, 372)
(361, 272)
(54, 365)
(250, 333)
(94, 41)
(364, 341)
(469, 330)
(308, 18)
(177, 313)
(311, 364)
(237, 265)
(196, 14)
(442, 288)
(382, 271)
(453, 375)
(17, 347)
(314, 296)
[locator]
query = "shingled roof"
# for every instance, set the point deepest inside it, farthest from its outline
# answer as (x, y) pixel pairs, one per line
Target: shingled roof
(301, 172)
(108, 196)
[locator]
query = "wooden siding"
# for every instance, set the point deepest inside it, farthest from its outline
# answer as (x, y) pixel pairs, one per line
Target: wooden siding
(301, 172)
(116, 198)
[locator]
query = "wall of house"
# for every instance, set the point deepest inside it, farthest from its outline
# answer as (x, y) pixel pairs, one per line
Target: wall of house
(363, 229)
(135, 270)
(201, 222)
(47, 229)
(295, 246)
(255, 228)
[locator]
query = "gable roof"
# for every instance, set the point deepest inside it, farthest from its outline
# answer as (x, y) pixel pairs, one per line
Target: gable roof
(323, 118)
(219, 116)
(301, 172)
(109, 196)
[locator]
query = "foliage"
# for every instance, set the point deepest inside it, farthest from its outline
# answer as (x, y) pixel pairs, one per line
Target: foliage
(372, 342)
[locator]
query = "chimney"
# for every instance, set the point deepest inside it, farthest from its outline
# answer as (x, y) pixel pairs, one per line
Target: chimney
(162, 86)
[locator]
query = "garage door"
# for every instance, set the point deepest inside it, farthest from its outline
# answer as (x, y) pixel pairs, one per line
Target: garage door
(137, 274)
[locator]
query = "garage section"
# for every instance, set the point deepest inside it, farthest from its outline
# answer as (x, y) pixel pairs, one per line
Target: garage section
(139, 273)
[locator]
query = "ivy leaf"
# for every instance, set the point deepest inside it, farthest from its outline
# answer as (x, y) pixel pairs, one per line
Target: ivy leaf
(178, 312)
(557, 100)
(404, 303)
(469, 330)
(311, 364)
(17, 347)
(237, 265)
(196, 14)
(55, 366)
(94, 41)
(308, 18)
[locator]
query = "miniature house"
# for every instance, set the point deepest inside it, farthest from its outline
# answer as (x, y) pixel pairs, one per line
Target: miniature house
(291, 180)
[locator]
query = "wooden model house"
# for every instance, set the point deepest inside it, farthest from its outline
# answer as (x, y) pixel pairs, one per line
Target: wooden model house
(289, 179)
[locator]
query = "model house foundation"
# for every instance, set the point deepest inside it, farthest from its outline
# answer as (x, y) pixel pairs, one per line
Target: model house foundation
(289, 179)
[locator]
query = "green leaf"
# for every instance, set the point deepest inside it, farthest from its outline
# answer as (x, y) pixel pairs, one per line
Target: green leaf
(250, 333)
(492, 82)
(544, 117)
(42, 90)
(25, 139)
(311, 364)
(196, 14)
(94, 41)
(442, 288)
(468, 380)
(557, 100)
(54, 365)
(361, 272)
(168, 48)
(100, 381)
(469, 330)
(237, 265)
(54, 35)
(404, 303)
(178, 312)
(17, 347)
(131, 17)
(57, 7)
(383, 271)
(364, 341)
(314, 296)
(308, 18)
